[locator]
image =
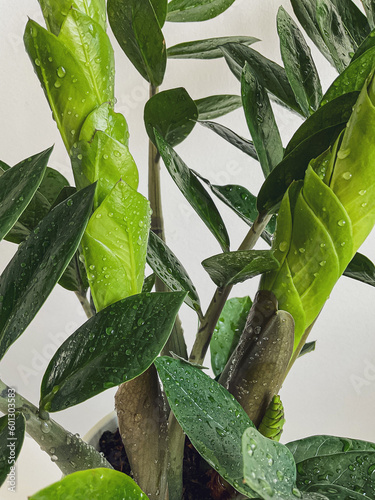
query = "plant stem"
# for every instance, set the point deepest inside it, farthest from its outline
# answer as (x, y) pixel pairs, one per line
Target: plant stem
(69, 452)
(85, 303)
(212, 315)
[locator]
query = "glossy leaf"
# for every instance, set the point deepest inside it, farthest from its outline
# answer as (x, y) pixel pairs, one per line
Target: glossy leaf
(369, 7)
(353, 19)
(353, 78)
(239, 142)
(307, 348)
(12, 433)
(234, 267)
(91, 47)
(194, 399)
(334, 492)
(335, 34)
(261, 122)
(317, 446)
(149, 283)
(269, 468)
(196, 10)
(362, 269)
(52, 184)
(75, 277)
(193, 191)
(17, 188)
(367, 44)
(299, 64)
(269, 74)
(170, 270)
(105, 119)
(206, 49)
(172, 113)
(331, 117)
(115, 245)
(55, 11)
(98, 483)
(50, 58)
(217, 105)
(114, 346)
(39, 263)
(228, 331)
(137, 30)
(305, 11)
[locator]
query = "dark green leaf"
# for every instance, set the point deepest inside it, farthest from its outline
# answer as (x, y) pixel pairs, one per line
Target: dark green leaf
(269, 468)
(261, 121)
(161, 9)
(170, 270)
(12, 432)
(75, 277)
(116, 345)
(236, 140)
(149, 283)
(330, 117)
(39, 263)
(353, 471)
(367, 44)
(52, 184)
(269, 74)
(307, 348)
(305, 10)
(353, 78)
(206, 49)
(316, 446)
(4, 166)
(335, 492)
(369, 6)
(213, 420)
(64, 194)
(18, 186)
(293, 167)
(335, 34)
(172, 113)
(193, 191)
(234, 267)
(98, 483)
(137, 30)
(196, 10)
(353, 19)
(228, 331)
(362, 269)
(217, 105)
(299, 64)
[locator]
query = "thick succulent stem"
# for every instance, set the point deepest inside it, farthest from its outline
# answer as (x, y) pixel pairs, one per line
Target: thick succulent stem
(68, 451)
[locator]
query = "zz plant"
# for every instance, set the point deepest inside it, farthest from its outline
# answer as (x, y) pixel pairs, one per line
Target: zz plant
(95, 238)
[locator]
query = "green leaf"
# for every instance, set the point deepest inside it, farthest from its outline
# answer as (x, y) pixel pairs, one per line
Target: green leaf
(362, 269)
(217, 105)
(39, 263)
(105, 119)
(367, 44)
(114, 346)
(331, 117)
(299, 64)
(261, 121)
(317, 446)
(170, 270)
(172, 113)
(239, 142)
(206, 49)
(305, 11)
(353, 19)
(228, 331)
(195, 400)
(269, 74)
(335, 34)
(161, 9)
(234, 267)
(57, 69)
(269, 468)
(193, 191)
(74, 277)
(52, 184)
(307, 348)
(98, 483)
(335, 492)
(369, 7)
(91, 47)
(12, 433)
(353, 78)
(115, 245)
(149, 283)
(17, 188)
(137, 30)
(55, 11)
(196, 10)
(272, 423)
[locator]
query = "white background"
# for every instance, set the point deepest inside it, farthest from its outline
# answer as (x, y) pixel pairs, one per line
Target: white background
(330, 391)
